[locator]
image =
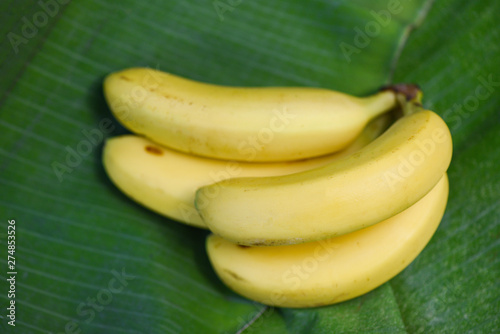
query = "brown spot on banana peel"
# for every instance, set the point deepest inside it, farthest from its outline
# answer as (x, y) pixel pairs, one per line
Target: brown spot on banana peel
(173, 97)
(153, 150)
(125, 78)
(277, 242)
(234, 275)
(282, 242)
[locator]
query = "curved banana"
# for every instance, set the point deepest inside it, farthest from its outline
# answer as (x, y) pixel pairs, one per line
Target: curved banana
(166, 181)
(245, 124)
(377, 182)
(333, 270)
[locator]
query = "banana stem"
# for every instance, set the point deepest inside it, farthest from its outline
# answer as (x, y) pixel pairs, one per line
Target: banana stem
(408, 97)
(378, 104)
(408, 107)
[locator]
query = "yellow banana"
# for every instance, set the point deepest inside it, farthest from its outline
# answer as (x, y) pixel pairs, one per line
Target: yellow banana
(166, 181)
(333, 270)
(235, 123)
(377, 182)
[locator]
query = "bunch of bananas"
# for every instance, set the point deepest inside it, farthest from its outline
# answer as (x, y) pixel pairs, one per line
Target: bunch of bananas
(313, 196)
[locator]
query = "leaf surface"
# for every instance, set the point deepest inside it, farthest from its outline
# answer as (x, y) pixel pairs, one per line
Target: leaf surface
(79, 239)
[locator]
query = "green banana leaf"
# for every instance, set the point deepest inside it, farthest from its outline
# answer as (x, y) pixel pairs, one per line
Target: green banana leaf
(90, 260)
